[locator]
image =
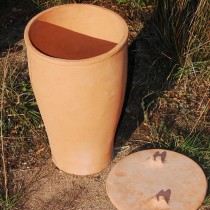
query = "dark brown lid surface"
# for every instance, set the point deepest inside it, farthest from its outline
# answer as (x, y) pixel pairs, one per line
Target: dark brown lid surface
(156, 180)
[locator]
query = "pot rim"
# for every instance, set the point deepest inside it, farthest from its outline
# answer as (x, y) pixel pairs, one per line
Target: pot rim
(62, 61)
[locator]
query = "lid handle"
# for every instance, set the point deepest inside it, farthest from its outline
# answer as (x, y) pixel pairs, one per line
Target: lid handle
(157, 160)
(161, 200)
(162, 156)
(164, 194)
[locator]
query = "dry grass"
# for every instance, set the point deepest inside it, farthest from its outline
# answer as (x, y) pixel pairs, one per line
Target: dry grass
(22, 133)
(3, 87)
(180, 118)
(183, 29)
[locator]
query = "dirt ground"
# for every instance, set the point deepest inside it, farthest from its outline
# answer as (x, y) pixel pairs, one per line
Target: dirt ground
(43, 186)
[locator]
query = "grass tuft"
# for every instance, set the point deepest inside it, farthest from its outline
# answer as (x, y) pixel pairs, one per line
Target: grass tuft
(183, 28)
(22, 133)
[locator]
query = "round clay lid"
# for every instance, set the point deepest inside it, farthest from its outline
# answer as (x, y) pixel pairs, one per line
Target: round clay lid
(156, 179)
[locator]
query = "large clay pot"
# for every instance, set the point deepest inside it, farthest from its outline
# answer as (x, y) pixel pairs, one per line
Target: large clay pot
(77, 57)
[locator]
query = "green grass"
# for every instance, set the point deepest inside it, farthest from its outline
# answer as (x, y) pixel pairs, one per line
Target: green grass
(19, 105)
(10, 203)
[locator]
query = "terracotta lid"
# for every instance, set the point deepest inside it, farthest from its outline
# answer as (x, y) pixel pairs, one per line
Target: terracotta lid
(156, 180)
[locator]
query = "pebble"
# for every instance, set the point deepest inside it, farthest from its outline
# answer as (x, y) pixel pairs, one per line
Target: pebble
(14, 9)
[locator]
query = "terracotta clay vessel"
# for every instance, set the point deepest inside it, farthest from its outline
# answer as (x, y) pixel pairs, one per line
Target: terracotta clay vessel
(77, 57)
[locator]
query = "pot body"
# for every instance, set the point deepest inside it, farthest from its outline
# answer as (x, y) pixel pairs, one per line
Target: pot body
(80, 99)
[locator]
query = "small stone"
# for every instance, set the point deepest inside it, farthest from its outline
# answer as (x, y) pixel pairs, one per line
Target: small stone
(14, 9)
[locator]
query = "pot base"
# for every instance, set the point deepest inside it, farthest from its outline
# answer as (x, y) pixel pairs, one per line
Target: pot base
(86, 170)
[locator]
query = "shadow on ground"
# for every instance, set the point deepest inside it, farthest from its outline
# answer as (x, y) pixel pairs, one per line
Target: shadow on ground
(15, 15)
(148, 78)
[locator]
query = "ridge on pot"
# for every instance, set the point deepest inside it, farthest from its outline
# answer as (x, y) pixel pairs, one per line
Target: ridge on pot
(77, 57)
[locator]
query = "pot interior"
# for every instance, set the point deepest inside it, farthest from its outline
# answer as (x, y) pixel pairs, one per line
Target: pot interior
(76, 32)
